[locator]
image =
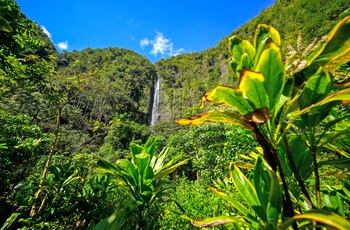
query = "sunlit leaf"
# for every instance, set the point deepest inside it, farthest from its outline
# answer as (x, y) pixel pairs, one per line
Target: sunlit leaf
(264, 34)
(274, 207)
(321, 216)
(223, 95)
(240, 207)
(252, 86)
(213, 116)
(170, 169)
(270, 64)
(244, 186)
(213, 221)
(332, 52)
(239, 46)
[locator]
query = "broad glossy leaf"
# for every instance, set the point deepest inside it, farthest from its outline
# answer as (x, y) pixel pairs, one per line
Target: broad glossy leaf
(244, 186)
(10, 221)
(317, 87)
(331, 201)
(142, 161)
(270, 64)
(252, 86)
(169, 170)
(115, 221)
(213, 221)
(158, 162)
(321, 216)
(334, 51)
(302, 156)
(150, 147)
(264, 34)
(240, 207)
(343, 163)
(213, 116)
(342, 96)
(239, 46)
(223, 95)
(243, 63)
(262, 183)
(244, 165)
(274, 207)
(135, 149)
(132, 171)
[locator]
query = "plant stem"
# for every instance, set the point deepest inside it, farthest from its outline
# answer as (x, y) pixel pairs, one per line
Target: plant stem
(313, 149)
(317, 182)
(296, 173)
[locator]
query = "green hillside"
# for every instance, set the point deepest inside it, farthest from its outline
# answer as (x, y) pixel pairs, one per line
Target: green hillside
(77, 150)
(187, 77)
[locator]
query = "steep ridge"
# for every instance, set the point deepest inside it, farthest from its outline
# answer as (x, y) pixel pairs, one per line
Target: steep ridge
(185, 78)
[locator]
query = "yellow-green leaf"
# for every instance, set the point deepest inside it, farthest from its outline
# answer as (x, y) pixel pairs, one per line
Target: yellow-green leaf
(321, 216)
(252, 86)
(264, 34)
(239, 46)
(332, 52)
(213, 221)
(223, 95)
(270, 64)
(213, 116)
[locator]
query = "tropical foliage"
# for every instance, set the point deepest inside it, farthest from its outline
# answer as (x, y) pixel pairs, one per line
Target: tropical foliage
(68, 119)
(292, 111)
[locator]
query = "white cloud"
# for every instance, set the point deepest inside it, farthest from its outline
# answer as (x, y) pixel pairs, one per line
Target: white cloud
(161, 45)
(63, 45)
(144, 42)
(46, 32)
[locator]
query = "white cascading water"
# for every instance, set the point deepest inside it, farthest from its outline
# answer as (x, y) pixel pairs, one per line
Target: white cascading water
(155, 107)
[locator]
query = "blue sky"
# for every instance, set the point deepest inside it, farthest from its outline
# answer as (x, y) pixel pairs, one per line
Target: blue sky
(155, 29)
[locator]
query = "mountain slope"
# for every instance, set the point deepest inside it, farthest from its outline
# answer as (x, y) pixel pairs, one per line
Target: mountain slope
(185, 78)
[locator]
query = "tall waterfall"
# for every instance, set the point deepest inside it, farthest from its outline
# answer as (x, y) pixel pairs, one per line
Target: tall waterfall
(155, 107)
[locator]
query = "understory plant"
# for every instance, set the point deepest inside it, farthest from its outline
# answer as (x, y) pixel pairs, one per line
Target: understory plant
(292, 109)
(144, 177)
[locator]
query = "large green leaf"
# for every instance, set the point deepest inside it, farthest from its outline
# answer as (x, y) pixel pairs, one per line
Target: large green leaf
(150, 147)
(243, 64)
(10, 221)
(132, 171)
(317, 87)
(171, 169)
(343, 163)
(240, 207)
(274, 207)
(262, 184)
(223, 95)
(270, 64)
(332, 202)
(334, 51)
(321, 216)
(239, 46)
(252, 86)
(302, 156)
(115, 221)
(264, 34)
(213, 116)
(246, 189)
(213, 221)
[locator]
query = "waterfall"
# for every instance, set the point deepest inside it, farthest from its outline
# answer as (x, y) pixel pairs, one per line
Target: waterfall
(155, 107)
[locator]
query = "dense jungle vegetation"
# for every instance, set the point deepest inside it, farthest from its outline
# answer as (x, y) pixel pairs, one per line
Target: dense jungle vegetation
(78, 152)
